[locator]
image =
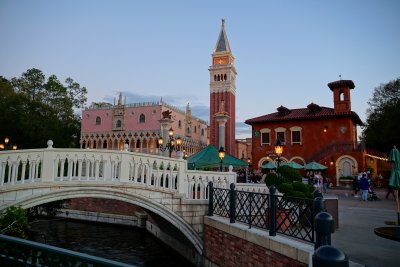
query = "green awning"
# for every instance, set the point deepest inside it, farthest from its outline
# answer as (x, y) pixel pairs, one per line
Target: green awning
(208, 158)
(314, 166)
(292, 164)
(268, 165)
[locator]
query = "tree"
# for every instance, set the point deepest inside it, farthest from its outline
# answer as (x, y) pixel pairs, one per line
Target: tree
(35, 110)
(382, 129)
(14, 222)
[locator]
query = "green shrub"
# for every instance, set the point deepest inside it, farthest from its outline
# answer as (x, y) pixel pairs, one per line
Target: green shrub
(285, 188)
(296, 194)
(14, 222)
(272, 179)
(304, 188)
(289, 173)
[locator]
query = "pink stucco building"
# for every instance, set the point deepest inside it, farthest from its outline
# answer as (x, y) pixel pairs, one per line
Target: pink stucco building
(108, 126)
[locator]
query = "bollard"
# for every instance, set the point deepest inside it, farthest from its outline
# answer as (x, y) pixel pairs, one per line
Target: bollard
(324, 227)
(210, 199)
(317, 193)
(232, 204)
(272, 211)
(329, 256)
(318, 205)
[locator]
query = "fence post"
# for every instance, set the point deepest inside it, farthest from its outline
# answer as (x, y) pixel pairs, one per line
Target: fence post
(210, 199)
(232, 203)
(329, 256)
(251, 200)
(324, 227)
(272, 211)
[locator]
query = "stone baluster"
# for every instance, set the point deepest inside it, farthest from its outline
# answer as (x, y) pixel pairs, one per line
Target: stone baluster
(23, 171)
(2, 172)
(79, 169)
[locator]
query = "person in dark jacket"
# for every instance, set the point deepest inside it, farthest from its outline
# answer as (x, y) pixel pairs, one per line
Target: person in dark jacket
(364, 185)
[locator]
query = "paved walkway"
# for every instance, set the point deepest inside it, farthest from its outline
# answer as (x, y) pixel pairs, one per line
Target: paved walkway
(355, 236)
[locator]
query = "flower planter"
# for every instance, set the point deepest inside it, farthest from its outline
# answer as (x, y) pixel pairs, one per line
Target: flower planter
(282, 219)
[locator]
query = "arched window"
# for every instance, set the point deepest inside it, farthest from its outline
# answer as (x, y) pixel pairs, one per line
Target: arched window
(98, 120)
(180, 124)
(341, 95)
(224, 77)
(118, 124)
(142, 118)
(195, 129)
(215, 77)
(202, 132)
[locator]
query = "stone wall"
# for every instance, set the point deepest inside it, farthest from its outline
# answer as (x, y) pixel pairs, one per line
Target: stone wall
(228, 245)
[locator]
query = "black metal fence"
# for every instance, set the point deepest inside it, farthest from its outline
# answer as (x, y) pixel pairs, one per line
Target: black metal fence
(289, 216)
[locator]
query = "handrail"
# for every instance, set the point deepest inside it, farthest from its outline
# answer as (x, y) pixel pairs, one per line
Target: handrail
(16, 250)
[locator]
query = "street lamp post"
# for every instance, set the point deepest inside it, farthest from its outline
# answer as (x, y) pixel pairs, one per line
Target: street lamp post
(278, 151)
(5, 146)
(172, 145)
(221, 155)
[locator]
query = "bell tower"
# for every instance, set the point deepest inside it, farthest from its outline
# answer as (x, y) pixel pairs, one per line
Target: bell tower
(341, 95)
(223, 92)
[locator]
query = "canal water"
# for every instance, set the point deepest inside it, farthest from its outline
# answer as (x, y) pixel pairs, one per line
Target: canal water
(115, 242)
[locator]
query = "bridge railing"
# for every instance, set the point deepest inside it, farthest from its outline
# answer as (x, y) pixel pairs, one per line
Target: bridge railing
(50, 165)
(20, 252)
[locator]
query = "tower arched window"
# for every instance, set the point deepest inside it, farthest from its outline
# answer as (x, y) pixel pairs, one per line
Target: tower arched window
(98, 120)
(142, 118)
(341, 95)
(195, 129)
(202, 132)
(215, 77)
(219, 77)
(180, 124)
(118, 124)
(224, 77)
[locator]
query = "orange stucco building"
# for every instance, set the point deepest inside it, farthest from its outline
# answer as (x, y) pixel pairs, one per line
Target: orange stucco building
(314, 133)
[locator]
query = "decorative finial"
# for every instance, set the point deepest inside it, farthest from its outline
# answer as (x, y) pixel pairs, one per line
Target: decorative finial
(340, 76)
(223, 23)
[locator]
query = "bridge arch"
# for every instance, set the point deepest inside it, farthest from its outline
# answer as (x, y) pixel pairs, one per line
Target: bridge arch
(116, 194)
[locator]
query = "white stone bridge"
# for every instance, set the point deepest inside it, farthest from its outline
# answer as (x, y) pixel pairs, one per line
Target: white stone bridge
(162, 185)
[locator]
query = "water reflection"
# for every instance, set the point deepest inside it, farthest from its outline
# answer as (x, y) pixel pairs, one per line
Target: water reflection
(120, 243)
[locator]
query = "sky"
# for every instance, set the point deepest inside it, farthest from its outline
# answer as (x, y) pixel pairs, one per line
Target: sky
(286, 52)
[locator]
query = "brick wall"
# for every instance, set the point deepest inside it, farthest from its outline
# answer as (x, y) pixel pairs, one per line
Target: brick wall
(103, 206)
(226, 250)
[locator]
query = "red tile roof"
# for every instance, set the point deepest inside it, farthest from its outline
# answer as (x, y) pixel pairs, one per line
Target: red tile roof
(312, 112)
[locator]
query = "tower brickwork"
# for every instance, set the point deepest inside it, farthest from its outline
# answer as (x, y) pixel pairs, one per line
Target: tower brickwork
(223, 91)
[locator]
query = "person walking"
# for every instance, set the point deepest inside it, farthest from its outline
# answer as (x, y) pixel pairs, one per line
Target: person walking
(364, 185)
(356, 186)
(325, 183)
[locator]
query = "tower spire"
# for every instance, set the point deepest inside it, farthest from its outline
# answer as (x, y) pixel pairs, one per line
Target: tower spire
(222, 42)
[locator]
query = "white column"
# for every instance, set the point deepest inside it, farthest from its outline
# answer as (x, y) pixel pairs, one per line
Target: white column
(221, 118)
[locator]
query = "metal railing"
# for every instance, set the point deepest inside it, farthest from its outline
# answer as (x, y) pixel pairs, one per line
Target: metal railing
(289, 216)
(19, 252)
